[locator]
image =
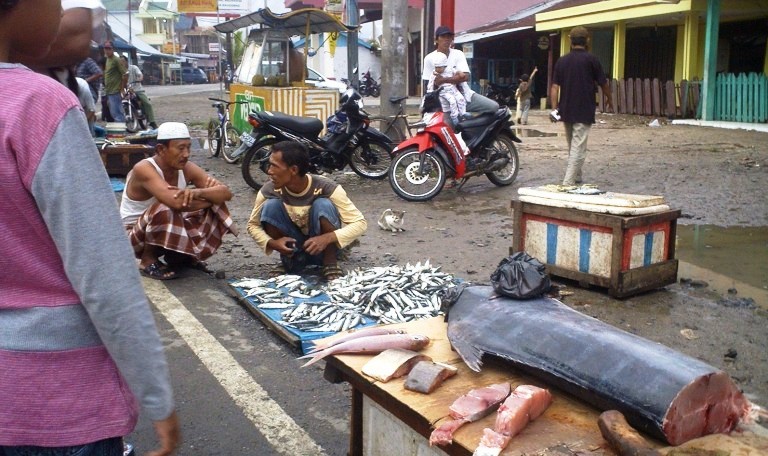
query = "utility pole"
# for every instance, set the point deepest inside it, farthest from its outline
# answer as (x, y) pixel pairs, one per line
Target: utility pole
(394, 53)
(353, 19)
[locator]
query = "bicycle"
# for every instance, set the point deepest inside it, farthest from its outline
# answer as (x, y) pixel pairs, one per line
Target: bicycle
(396, 126)
(223, 129)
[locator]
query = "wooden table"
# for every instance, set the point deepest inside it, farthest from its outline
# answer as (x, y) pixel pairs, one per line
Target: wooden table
(567, 423)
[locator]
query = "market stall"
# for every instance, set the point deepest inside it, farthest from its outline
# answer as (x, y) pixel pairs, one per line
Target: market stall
(271, 74)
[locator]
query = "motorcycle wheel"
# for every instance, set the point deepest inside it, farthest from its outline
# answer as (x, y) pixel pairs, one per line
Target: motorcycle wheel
(503, 147)
(213, 138)
(412, 185)
(371, 159)
(131, 122)
(375, 91)
(229, 144)
(256, 162)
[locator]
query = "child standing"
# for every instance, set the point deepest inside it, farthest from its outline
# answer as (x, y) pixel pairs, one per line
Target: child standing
(523, 95)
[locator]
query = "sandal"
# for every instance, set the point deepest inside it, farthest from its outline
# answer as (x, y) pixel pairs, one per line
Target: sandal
(157, 271)
(277, 270)
(202, 266)
(332, 272)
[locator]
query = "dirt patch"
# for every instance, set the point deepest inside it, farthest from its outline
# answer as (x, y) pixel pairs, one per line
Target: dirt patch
(715, 176)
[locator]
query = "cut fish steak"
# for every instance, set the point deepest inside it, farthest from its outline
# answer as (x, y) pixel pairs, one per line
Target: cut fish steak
(525, 404)
(660, 391)
(476, 404)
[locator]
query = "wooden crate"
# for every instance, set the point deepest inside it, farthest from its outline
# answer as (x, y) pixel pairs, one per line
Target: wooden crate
(625, 254)
(119, 159)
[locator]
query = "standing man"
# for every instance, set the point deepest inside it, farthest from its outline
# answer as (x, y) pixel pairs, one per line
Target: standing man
(90, 71)
(134, 76)
(524, 95)
(457, 64)
(113, 82)
(573, 95)
(167, 219)
(300, 215)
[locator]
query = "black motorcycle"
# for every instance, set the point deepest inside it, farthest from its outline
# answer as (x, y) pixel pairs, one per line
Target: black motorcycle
(135, 119)
(369, 86)
(349, 140)
(502, 94)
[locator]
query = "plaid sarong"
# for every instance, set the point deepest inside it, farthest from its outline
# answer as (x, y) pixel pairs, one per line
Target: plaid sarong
(197, 233)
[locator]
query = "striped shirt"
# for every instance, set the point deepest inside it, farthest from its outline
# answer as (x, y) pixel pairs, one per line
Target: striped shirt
(78, 340)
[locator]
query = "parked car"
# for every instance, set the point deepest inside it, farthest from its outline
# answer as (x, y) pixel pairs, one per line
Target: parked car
(193, 76)
(318, 80)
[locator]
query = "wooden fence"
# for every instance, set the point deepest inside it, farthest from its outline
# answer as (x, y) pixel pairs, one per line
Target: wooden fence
(742, 98)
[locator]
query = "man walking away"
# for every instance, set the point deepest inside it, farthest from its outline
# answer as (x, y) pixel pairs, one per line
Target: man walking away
(574, 85)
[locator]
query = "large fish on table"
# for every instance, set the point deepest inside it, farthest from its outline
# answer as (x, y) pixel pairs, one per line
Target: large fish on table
(661, 391)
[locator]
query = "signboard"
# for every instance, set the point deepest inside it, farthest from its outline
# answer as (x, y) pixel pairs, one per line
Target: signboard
(174, 66)
(469, 49)
(169, 48)
(543, 43)
(197, 6)
(234, 6)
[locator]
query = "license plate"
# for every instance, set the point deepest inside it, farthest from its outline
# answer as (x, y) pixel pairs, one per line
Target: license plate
(247, 139)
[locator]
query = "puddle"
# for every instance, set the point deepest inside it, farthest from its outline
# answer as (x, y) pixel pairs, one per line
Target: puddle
(726, 258)
(526, 133)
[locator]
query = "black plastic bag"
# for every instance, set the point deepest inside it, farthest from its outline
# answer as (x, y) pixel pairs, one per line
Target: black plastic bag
(520, 276)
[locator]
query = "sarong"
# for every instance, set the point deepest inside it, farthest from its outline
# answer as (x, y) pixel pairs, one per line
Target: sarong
(196, 233)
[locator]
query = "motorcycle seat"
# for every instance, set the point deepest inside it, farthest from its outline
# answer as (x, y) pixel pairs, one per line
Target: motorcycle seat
(477, 120)
(304, 125)
(394, 100)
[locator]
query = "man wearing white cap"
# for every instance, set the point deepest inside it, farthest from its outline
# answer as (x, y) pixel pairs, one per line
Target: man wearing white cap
(167, 219)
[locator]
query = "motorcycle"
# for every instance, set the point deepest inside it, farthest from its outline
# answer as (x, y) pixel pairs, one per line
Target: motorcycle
(369, 86)
(504, 95)
(350, 140)
(135, 119)
(424, 162)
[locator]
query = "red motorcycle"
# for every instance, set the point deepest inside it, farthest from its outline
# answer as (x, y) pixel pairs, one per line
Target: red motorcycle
(424, 162)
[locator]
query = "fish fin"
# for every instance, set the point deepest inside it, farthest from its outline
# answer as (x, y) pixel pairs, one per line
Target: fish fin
(315, 358)
(469, 353)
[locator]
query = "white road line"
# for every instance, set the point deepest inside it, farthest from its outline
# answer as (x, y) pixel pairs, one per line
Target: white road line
(268, 417)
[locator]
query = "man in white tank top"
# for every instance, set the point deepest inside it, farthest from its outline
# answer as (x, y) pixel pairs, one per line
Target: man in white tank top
(175, 213)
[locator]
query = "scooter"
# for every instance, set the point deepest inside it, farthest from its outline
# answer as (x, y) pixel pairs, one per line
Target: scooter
(424, 162)
(135, 119)
(350, 140)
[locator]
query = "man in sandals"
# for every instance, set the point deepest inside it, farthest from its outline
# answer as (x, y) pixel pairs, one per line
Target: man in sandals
(168, 219)
(304, 217)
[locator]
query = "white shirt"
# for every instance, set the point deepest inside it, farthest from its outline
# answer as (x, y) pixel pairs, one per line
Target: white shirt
(456, 62)
(84, 95)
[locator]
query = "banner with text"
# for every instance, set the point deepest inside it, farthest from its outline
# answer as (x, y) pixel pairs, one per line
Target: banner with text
(197, 6)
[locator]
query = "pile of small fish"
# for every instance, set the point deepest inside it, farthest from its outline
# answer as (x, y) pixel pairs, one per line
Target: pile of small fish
(381, 295)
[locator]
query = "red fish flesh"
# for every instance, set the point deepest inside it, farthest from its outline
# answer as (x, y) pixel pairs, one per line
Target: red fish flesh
(660, 391)
(525, 404)
(370, 345)
(470, 407)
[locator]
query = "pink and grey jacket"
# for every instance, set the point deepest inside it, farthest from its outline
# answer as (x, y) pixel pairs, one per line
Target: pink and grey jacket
(78, 343)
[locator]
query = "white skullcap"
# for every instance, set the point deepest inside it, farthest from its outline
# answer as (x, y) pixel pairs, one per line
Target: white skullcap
(172, 130)
(439, 59)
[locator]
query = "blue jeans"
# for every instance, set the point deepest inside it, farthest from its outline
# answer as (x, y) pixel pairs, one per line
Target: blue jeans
(115, 103)
(106, 447)
(273, 213)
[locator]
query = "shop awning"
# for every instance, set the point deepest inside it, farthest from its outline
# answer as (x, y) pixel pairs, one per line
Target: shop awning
(299, 22)
(121, 30)
(477, 36)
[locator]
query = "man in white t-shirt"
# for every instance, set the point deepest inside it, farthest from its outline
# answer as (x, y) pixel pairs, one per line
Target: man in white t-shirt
(457, 64)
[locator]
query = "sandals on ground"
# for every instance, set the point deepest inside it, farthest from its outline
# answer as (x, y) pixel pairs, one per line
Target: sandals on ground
(202, 266)
(332, 272)
(157, 271)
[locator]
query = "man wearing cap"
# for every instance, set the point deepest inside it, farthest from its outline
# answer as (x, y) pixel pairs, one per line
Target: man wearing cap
(457, 64)
(167, 219)
(572, 94)
(113, 82)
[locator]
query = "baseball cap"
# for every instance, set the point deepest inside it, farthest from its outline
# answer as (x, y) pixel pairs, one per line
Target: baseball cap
(579, 32)
(443, 30)
(172, 130)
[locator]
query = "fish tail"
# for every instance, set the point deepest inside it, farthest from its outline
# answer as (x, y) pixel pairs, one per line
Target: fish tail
(315, 358)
